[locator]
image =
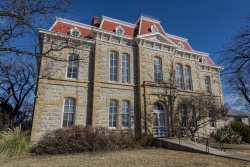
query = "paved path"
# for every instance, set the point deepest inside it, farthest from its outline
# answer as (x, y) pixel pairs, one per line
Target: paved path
(188, 145)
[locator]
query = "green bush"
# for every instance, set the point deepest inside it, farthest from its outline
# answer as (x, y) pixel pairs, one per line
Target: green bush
(242, 129)
(14, 142)
(227, 135)
(76, 139)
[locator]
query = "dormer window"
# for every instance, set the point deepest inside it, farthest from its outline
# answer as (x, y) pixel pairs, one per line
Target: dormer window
(75, 32)
(204, 60)
(181, 45)
(154, 28)
(119, 30)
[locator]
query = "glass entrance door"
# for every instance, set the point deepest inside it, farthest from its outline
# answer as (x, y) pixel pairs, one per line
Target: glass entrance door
(159, 121)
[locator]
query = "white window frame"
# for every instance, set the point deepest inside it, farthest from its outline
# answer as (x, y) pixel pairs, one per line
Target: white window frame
(154, 28)
(116, 117)
(181, 45)
(158, 78)
(77, 67)
(207, 85)
(63, 111)
(128, 114)
(121, 30)
(117, 67)
(179, 76)
(204, 60)
(189, 85)
(72, 30)
(126, 68)
(191, 112)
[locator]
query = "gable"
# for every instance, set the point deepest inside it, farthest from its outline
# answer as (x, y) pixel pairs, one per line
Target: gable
(111, 26)
(65, 29)
(146, 27)
(185, 44)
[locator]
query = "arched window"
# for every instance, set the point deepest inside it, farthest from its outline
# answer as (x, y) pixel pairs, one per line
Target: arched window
(183, 113)
(154, 28)
(113, 110)
(181, 45)
(203, 60)
(113, 66)
(188, 78)
(68, 112)
(75, 32)
(125, 68)
(157, 70)
(207, 85)
(179, 76)
(157, 107)
(72, 66)
(125, 114)
(119, 30)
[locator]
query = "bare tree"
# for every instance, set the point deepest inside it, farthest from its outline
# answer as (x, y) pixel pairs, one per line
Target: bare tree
(196, 112)
(235, 56)
(18, 80)
(20, 20)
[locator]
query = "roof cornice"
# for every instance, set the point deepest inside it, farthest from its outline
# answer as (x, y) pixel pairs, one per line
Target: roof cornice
(176, 37)
(118, 21)
(148, 19)
(74, 23)
(112, 33)
(65, 35)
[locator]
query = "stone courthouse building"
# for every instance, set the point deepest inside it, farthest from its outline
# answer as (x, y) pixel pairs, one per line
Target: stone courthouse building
(124, 76)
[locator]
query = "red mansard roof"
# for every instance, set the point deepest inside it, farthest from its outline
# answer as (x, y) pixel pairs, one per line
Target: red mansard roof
(110, 26)
(65, 29)
(209, 61)
(146, 27)
(186, 45)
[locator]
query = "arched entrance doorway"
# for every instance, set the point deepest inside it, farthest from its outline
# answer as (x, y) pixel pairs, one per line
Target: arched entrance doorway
(159, 120)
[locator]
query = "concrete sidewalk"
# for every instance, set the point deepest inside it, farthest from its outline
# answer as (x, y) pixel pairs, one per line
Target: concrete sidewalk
(190, 146)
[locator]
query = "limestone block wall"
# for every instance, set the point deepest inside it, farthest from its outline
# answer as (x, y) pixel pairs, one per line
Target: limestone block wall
(57, 69)
(102, 112)
(103, 50)
(215, 82)
(49, 105)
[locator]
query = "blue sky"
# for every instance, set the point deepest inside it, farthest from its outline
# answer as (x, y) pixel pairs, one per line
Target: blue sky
(206, 23)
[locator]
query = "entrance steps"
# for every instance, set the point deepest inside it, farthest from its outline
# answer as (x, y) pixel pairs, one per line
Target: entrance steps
(190, 146)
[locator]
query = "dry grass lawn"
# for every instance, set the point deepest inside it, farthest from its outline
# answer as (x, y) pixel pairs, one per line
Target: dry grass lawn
(143, 157)
(240, 149)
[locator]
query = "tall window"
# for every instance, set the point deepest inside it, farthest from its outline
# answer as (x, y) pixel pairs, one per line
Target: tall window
(211, 117)
(72, 66)
(207, 85)
(191, 116)
(188, 78)
(125, 68)
(113, 109)
(179, 76)
(113, 66)
(157, 69)
(125, 114)
(183, 116)
(68, 112)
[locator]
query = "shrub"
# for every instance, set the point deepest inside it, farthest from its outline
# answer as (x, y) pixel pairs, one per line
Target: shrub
(77, 139)
(242, 129)
(227, 135)
(14, 142)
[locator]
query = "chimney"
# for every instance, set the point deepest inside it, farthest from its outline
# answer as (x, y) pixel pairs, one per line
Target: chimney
(95, 21)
